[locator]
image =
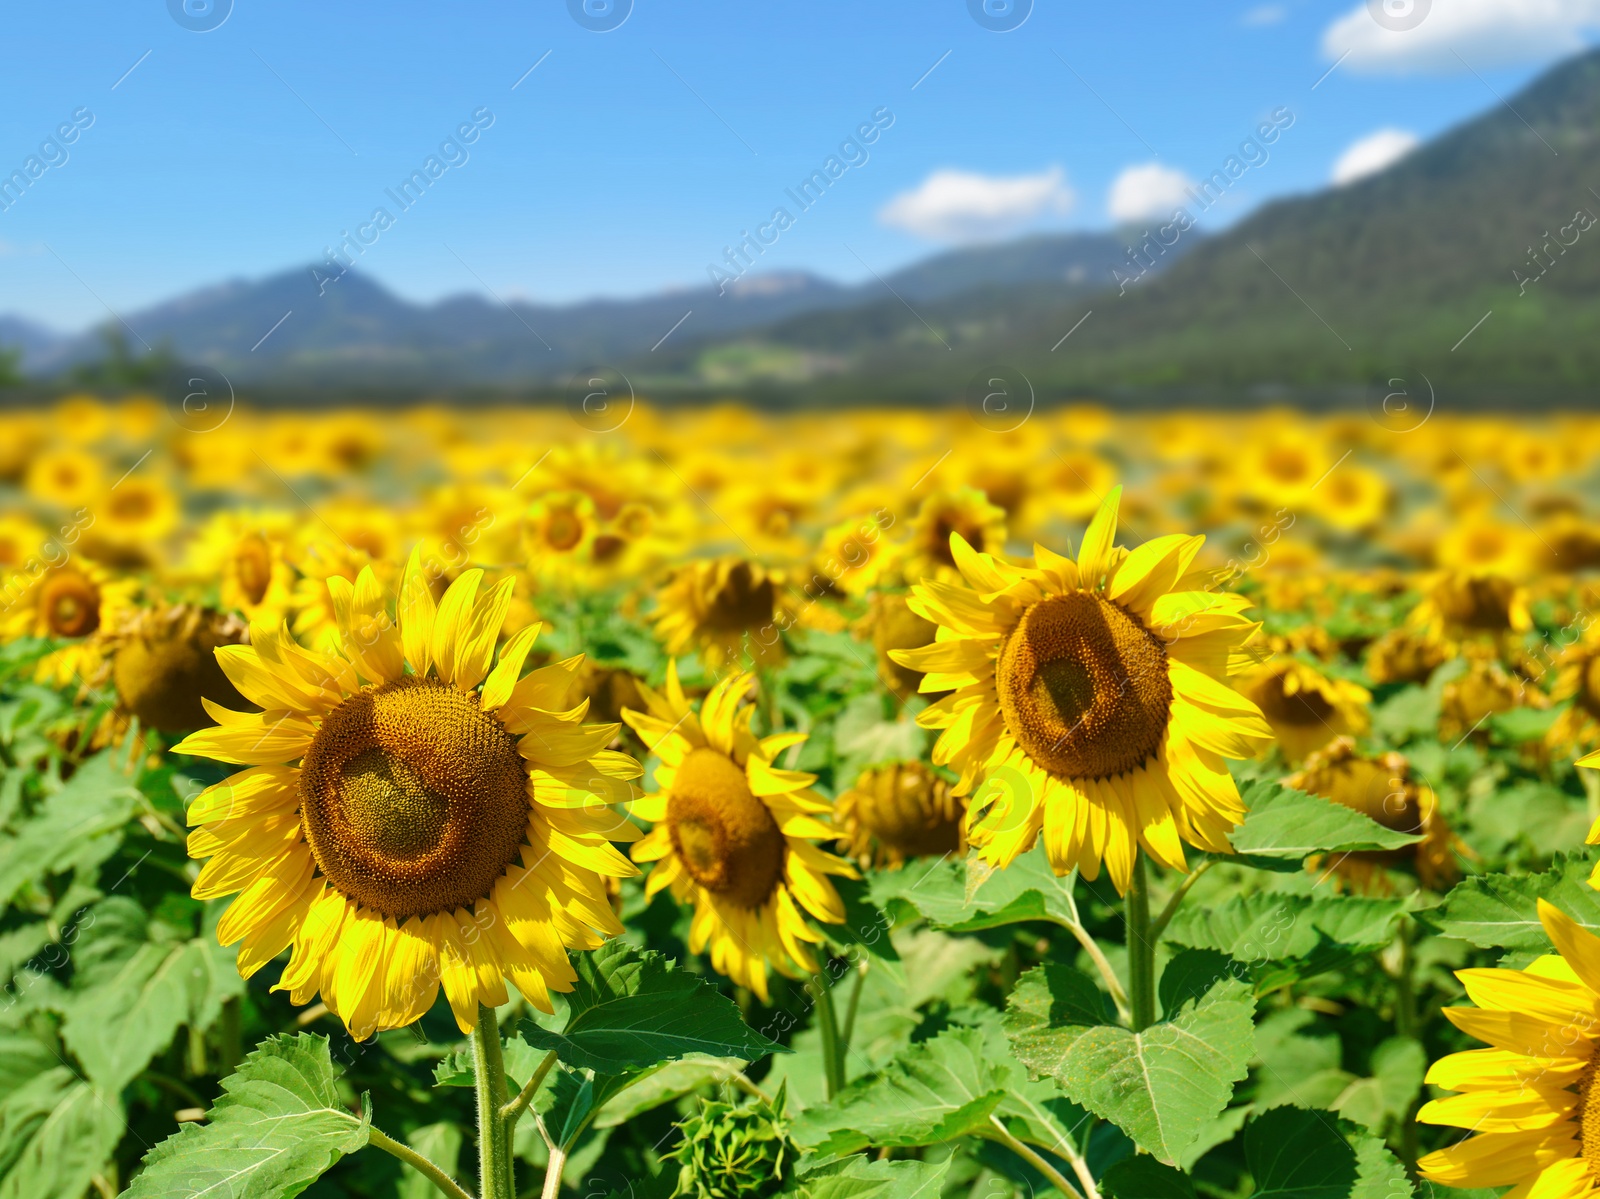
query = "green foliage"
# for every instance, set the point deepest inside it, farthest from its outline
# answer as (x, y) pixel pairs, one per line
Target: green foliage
(632, 1009)
(1502, 910)
(278, 1125)
(1297, 1154)
(1289, 824)
(1160, 1085)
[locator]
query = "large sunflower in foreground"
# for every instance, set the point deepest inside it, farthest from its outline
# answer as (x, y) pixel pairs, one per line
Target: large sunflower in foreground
(1095, 694)
(733, 834)
(1530, 1097)
(402, 829)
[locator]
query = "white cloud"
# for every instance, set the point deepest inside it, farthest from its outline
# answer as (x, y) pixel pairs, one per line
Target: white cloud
(1264, 14)
(954, 205)
(1441, 35)
(1150, 190)
(1373, 153)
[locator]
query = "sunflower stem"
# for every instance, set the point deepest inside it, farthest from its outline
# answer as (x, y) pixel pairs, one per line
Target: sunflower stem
(512, 1111)
(1167, 913)
(1037, 1160)
(828, 1027)
(1141, 950)
(494, 1131)
(419, 1163)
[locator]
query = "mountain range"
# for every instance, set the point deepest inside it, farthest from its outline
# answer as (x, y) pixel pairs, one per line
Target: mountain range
(1473, 262)
(301, 328)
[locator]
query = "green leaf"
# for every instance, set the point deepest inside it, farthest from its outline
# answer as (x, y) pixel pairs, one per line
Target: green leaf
(1144, 1178)
(632, 1008)
(56, 1133)
(1159, 1086)
(1190, 974)
(1285, 823)
(1398, 1064)
(439, 1143)
(1277, 926)
(1297, 1154)
(934, 1091)
(1501, 910)
(1047, 999)
(968, 896)
(858, 1178)
(277, 1127)
(520, 1059)
(1518, 725)
(82, 822)
(666, 1083)
(864, 924)
(133, 985)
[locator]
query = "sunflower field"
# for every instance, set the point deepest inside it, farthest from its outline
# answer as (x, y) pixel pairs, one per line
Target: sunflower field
(875, 805)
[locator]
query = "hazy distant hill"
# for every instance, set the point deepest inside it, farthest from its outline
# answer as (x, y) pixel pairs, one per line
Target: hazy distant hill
(1378, 279)
(292, 329)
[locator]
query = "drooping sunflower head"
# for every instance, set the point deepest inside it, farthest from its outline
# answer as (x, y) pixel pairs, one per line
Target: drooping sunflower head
(164, 663)
(418, 814)
(963, 512)
(724, 608)
(1459, 605)
(899, 811)
(1306, 708)
(1405, 656)
(892, 625)
(1531, 1098)
(1484, 689)
(1091, 700)
(1384, 789)
(735, 836)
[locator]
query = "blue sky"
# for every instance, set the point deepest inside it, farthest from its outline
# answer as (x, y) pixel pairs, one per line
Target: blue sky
(626, 160)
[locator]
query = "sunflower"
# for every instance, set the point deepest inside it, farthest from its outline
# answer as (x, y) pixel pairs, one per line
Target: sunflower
(66, 478)
(1352, 498)
(1530, 1097)
(1484, 689)
(1457, 606)
(1095, 695)
(734, 835)
(402, 829)
(131, 521)
(898, 811)
(1382, 788)
(247, 555)
(68, 604)
(1306, 708)
(725, 608)
(558, 535)
(963, 512)
(1577, 680)
(892, 625)
(1405, 656)
(165, 666)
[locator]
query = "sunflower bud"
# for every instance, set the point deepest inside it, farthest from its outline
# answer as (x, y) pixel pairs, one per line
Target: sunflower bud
(732, 1152)
(166, 662)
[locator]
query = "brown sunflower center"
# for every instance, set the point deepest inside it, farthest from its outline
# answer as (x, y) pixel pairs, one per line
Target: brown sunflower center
(563, 529)
(741, 602)
(1589, 1120)
(252, 562)
(1307, 707)
(71, 604)
(725, 837)
(1083, 686)
(413, 799)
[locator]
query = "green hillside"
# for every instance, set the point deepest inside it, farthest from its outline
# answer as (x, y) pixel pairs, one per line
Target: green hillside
(1378, 279)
